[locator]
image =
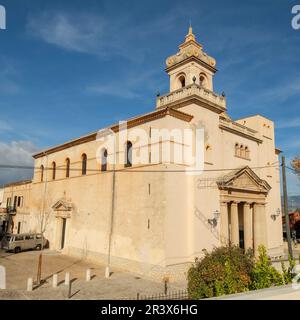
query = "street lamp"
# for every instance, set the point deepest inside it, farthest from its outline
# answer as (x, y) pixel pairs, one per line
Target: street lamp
(275, 215)
(214, 221)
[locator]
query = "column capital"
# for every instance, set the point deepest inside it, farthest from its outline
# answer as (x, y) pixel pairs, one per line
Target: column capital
(259, 204)
(224, 203)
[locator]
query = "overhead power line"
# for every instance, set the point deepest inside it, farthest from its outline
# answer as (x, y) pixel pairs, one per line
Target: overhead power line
(5, 166)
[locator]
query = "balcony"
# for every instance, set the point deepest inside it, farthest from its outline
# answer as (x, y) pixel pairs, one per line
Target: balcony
(12, 210)
(192, 91)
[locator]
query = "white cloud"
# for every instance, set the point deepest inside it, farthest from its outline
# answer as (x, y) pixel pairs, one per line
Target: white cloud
(8, 76)
(18, 153)
(100, 35)
(288, 123)
(133, 85)
(282, 91)
(4, 126)
(113, 90)
(79, 33)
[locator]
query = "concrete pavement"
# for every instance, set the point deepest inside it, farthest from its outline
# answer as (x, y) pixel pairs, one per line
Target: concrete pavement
(120, 285)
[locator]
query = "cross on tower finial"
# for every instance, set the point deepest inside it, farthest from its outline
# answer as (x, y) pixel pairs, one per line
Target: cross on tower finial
(190, 28)
(190, 36)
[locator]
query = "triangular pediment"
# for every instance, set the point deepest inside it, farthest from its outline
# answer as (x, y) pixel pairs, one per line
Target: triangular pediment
(244, 179)
(62, 205)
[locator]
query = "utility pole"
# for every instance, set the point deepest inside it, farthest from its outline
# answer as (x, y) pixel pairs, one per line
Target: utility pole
(107, 269)
(39, 269)
(285, 205)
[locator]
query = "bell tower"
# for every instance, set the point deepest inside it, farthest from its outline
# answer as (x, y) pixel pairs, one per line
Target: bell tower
(190, 65)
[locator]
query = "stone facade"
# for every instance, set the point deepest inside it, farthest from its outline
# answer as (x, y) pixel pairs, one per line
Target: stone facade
(155, 218)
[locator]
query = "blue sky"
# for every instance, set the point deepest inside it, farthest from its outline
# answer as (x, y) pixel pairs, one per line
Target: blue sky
(71, 67)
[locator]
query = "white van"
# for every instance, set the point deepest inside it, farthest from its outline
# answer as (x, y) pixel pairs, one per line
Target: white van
(21, 242)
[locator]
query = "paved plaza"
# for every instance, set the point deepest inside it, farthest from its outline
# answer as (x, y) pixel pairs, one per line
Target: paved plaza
(121, 285)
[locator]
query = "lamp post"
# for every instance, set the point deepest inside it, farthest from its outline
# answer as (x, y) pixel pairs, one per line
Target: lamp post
(214, 221)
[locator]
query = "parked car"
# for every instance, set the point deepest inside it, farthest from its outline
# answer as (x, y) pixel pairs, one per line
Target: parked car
(21, 242)
(2, 234)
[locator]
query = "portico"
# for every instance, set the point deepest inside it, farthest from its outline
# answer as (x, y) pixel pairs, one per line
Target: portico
(243, 214)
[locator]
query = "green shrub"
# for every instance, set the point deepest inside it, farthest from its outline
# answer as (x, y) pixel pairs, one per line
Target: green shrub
(288, 273)
(225, 270)
(264, 275)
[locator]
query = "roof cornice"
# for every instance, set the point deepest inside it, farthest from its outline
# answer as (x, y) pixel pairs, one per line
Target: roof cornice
(158, 114)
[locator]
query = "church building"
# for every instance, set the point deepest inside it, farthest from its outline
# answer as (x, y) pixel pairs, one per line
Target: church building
(155, 217)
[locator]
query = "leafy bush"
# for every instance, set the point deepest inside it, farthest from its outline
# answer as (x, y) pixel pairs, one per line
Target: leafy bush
(225, 270)
(228, 270)
(288, 273)
(264, 275)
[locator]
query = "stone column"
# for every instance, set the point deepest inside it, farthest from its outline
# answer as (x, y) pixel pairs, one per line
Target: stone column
(235, 237)
(260, 226)
(248, 236)
(224, 234)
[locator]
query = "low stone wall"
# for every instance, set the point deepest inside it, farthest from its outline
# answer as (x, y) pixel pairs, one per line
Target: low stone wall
(174, 273)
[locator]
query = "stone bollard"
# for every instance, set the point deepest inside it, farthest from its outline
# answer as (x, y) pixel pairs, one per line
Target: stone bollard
(2, 278)
(67, 278)
(107, 273)
(29, 284)
(88, 275)
(55, 280)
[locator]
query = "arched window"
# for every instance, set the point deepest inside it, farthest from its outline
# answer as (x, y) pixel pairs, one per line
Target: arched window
(247, 153)
(237, 150)
(128, 154)
(42, 173)
(84, 164)
(242, 151)
(67, 168)
(104, 160)
(203, 80)
(53, 170)
(181, 80)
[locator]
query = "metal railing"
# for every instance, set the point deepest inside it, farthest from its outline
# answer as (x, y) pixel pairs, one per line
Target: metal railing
(173, 295)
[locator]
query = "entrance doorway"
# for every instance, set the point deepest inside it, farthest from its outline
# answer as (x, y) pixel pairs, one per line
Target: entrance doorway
(63, 234)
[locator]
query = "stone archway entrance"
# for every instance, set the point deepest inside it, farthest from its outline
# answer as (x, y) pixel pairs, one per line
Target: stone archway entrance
(243, 215)
(63, 213)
